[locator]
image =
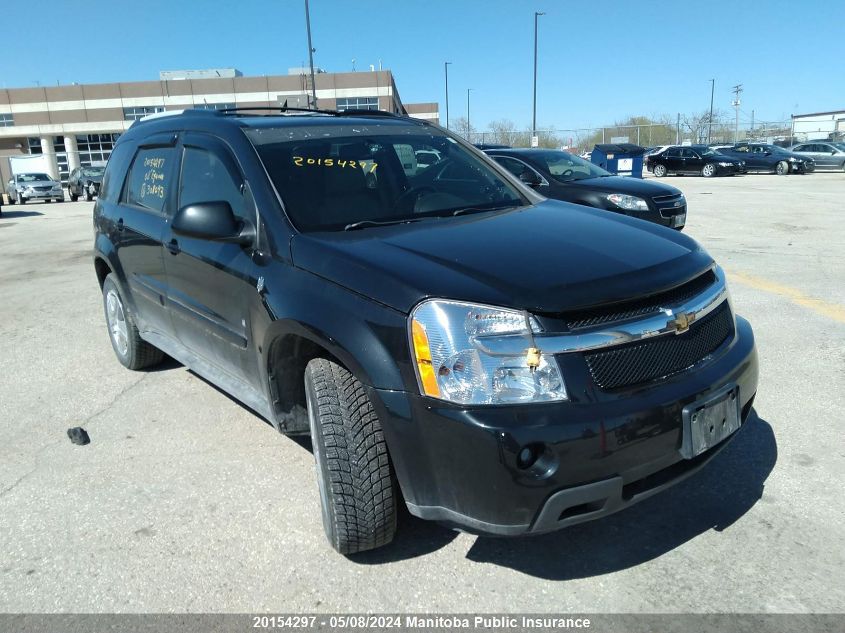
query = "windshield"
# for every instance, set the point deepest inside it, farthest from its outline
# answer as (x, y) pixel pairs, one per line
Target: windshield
(706, 151)
(336, 175)
(93, 171)
(565, 167)
(32, 177)
(839, 146)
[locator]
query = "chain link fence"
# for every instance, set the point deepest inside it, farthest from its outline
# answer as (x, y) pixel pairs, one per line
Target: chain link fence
(680, 131)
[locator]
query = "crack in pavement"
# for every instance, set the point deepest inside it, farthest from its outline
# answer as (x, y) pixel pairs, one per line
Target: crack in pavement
(88, 419)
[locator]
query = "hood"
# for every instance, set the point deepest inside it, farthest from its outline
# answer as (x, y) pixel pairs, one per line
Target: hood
(626, 185)
(546, 258)
(37, 183)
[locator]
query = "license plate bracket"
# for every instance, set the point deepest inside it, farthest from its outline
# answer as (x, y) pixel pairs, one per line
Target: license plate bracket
(708, 421)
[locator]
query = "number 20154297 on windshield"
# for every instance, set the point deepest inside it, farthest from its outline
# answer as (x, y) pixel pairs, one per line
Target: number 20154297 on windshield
(368, 166)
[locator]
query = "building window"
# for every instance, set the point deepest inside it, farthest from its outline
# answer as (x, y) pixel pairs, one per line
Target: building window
(6, 120)
(138, 112)
(357, 103)
(214, 106)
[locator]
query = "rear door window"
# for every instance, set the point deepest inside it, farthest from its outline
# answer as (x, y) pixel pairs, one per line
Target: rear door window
(149, 178)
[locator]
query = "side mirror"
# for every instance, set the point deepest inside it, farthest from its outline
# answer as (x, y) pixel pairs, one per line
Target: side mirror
(213, 221)
(530, 178)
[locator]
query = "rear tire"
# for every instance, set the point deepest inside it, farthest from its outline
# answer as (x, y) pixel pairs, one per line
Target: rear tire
(358, 495)
(131, 350)
(660, 170)
(23, 200)
(73, 196)
(782, 168)
(709, 170)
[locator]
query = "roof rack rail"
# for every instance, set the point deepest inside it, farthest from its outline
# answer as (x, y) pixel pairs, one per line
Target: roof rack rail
(168, 113)
(284, 108)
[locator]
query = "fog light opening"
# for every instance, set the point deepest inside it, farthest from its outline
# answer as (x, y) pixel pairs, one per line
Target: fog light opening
(527, 457)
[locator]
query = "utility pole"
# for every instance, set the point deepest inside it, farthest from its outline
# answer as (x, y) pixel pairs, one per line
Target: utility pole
(678, 131)
(752, 123)
(446, 70)
(737, 90)
(537, 14)
(311, 50)
(469, 128)
(710, 120)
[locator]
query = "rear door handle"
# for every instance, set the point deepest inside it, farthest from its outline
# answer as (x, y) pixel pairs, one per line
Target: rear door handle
(173, 247)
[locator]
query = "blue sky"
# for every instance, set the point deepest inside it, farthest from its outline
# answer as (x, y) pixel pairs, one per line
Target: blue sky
(599, 61)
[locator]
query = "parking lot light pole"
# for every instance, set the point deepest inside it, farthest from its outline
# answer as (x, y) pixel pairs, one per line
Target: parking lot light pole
(537, 14)
(469, 132)
(710, 120)
(310, 54)
(446, 70)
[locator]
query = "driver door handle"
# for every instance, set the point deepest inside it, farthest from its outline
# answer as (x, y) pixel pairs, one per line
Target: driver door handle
(173, 247)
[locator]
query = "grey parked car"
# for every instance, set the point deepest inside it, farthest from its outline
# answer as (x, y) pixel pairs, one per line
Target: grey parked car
(827, 154)
(35, 186)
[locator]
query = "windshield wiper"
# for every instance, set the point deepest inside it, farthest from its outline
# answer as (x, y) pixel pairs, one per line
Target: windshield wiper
(367, 223)
(485, 208)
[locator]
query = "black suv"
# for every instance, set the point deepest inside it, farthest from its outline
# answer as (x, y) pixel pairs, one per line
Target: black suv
(449, 338)
(84, 181)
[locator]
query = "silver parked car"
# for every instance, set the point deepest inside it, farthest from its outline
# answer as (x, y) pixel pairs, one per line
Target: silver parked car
(35, 186)
(827, 154)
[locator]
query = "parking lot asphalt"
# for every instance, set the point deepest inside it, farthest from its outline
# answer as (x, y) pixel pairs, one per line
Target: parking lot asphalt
(185, 501)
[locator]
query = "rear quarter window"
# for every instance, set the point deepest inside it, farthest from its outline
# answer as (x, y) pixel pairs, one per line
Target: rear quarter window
(115, 172)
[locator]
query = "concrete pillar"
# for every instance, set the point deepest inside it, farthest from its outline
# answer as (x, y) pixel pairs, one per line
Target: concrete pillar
(48, 148)
(72, 149)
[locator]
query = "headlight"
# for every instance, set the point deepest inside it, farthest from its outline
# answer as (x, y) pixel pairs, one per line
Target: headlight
(726, 164)
(792, 159)
(447, 341)
(628, 202)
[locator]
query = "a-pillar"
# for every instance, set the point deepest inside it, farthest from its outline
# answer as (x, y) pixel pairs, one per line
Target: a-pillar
(48, 149)
(72, 149)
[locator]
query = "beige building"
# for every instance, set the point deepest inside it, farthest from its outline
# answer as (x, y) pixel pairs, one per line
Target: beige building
(77, 125)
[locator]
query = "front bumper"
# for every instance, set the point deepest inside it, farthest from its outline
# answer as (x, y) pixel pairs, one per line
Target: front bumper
(41, 195)
(599, 452)
(730, 170)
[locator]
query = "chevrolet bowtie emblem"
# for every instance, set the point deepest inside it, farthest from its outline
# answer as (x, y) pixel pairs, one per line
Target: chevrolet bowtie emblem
(681, 322)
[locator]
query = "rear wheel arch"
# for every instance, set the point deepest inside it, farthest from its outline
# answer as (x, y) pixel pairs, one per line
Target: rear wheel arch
(103, 269)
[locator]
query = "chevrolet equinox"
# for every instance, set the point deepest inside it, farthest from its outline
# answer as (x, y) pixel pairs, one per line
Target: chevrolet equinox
(450, 339)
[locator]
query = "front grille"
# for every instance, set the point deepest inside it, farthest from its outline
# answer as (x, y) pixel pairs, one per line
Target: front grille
(640, 307)
(672, 197)
(662, 356)
(44, 188)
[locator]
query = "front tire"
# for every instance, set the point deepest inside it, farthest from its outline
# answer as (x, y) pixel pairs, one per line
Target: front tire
(709, 170)
(23, 200)
(131, 350)
(358, 495)
(73, 196)
(782, 168)
(660, 170)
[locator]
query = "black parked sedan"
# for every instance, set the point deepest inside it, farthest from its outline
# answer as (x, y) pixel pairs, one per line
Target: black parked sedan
(85, 181)
(562, 176)
(694, 159)
(767, 158)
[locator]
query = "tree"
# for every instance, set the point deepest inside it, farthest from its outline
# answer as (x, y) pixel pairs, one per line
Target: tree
(462, 127)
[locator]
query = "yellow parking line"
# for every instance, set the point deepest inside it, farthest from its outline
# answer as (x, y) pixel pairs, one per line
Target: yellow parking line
(825, 308)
